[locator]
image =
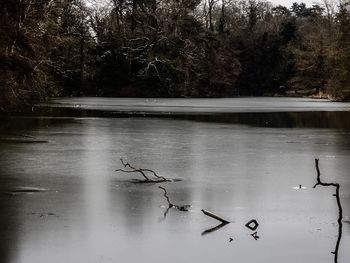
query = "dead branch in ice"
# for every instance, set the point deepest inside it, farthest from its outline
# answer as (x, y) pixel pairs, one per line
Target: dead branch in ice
(183, 208)
(340, 209)
(223, 221)
(144, 172)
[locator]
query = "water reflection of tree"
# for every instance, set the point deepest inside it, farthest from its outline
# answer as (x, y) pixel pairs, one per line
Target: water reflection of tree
(340, 209)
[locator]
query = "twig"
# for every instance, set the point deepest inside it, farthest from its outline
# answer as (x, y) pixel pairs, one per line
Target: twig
(166, 196)
(340, 209)
(134, 170)
(183, 208)
(215, 217)
(143, 172)
(255, 235)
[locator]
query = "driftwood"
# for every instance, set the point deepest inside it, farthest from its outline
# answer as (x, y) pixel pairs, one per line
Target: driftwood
(340, 209)
(144, 172)
(223, 221)
(222, 224)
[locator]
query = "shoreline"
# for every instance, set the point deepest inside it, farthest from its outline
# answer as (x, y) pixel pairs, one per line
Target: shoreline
(170, 106)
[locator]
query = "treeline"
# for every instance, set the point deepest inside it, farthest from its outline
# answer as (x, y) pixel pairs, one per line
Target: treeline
(172, 48)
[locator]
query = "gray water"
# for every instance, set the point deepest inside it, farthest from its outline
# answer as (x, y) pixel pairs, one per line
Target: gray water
(62, 201)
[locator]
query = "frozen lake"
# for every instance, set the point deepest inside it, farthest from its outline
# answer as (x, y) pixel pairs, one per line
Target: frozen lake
(200, 106)
(62, 201)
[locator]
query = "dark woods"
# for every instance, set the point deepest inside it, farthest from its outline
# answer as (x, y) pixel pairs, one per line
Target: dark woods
(173, 48)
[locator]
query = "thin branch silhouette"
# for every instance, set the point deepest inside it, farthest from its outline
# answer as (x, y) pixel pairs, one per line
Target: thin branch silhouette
(166, 196)
(340, 209)
(183, 208)
(147, 179)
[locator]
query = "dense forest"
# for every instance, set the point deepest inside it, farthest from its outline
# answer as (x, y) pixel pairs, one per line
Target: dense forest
(172, 48)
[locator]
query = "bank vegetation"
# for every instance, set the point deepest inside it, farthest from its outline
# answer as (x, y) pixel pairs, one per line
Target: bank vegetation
(172, 48)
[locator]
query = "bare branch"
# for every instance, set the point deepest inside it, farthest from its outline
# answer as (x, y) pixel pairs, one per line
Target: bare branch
(215, 217)
(133, 169)
(166, 196)
(340, 209)
(183, 208)
(142, 171)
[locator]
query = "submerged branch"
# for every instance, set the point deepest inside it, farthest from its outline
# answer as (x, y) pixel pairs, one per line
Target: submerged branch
(340, 209)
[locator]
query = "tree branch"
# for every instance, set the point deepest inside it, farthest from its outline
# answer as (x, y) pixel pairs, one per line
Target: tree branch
(183, 208)
(166, 196)
(215, 217)
(340, 209)
(142, 171)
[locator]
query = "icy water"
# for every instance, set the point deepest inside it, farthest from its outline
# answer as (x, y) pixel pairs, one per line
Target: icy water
(61, 199)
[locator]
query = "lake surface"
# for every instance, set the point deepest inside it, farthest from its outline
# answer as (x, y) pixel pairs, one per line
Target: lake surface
(198, 106)
(61, 199)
